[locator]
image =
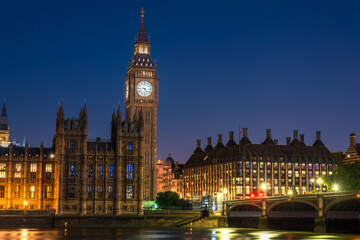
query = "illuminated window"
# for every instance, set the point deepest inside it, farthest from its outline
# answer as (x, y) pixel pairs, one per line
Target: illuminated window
(72, 170)
(48, 192)
(32, 191)
(111, 171)
(129, 192)
(100, 171)
(18, 170)
(33, 167)
(2, 191)
(17, 191)
(90, 174)
(129, 171)
(111, 191)
(100, 191)
(48, 170)
(129, 147)
(2, 170)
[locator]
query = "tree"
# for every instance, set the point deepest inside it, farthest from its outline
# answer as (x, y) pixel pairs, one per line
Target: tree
(169, 199)
(346, 177)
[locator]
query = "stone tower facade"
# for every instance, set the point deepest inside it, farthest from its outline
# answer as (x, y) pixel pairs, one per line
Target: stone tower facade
(141, 94)
(99, 177)
(4, 128)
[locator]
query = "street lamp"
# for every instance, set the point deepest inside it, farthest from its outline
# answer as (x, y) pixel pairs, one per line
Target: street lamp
(336, 187)
(25, 203)
(290, 193)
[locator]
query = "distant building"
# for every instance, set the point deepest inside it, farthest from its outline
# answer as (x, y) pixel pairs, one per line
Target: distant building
(239, 170)
(170, 176)
(352, 155)
(5, 138)
(4, 128)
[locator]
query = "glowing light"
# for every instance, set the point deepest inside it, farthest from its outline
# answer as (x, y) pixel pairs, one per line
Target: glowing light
(263, 187)
(290, 193)
(358, 195)
(225, 190)
(25, 203)
(336, 187)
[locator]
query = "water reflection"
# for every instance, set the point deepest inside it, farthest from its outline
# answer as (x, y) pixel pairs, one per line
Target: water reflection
(135, 233)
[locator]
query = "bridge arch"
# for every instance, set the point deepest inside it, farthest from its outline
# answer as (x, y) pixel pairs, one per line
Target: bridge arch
(355, 202)
(248, 207)
(272, 206)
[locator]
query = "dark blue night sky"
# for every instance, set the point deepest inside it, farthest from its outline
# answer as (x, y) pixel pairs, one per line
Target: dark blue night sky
(282, 65)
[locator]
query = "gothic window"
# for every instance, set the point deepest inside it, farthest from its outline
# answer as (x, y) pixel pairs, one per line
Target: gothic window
(2, 191)
(72, 145)
(111, 171)
(17, 191)
(90, 174)
(33, 167)
(18, 170)
(129, 171)
(32, 191)
(48, 170)
(72, 170)
(111, 191)
(100, 171)
(129, 192)
(48, 192)
(72, 191)
(129, 147)
(89, 191)
(100, 191)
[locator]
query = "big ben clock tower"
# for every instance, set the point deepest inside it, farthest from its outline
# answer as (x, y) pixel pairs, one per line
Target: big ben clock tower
(141, 94)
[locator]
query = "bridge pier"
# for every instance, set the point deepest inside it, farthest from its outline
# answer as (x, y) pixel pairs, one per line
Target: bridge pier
(320, 221)
(263, 220)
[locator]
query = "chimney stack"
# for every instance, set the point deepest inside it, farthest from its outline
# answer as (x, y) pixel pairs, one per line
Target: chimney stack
(198, 143)
(302, 138)
(276, 141)
(352, 139)
(288, 140)
(231, 136)
(296, 133)
(219, 138)
(268, 133)
(209, 141)
(245, 132)
(318, 136)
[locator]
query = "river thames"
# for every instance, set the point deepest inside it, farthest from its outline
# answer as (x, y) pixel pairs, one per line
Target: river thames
(136, 233)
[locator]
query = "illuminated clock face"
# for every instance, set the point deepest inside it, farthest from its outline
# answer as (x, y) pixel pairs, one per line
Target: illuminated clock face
(144, 88)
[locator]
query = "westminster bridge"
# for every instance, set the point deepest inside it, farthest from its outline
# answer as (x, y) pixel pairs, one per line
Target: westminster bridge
(335, 212)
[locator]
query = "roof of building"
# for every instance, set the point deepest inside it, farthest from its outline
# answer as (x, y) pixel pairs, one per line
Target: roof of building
(142, 38)
(267, 151)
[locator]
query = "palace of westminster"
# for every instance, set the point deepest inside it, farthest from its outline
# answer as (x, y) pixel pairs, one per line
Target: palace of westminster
(79, 177)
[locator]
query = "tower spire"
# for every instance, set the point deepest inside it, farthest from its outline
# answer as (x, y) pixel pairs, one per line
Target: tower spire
(142, 38)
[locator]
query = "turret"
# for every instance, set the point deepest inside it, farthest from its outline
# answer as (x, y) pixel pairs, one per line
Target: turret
(4, 119)
(60, 118)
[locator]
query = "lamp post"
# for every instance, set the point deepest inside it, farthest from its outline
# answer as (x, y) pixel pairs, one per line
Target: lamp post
(336, 188)
(25, 203)
(320, 182)
(264, 188)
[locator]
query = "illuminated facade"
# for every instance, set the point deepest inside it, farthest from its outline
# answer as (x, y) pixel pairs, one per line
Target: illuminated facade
(141, 94)
(243, 169)
(170, 176)
(99, 177)
(352, 155)
(27, 178)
